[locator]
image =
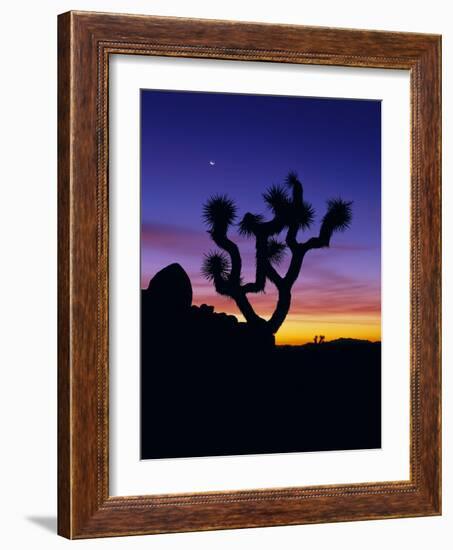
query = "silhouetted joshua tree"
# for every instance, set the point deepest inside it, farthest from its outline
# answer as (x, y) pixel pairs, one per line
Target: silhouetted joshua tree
(290, 214)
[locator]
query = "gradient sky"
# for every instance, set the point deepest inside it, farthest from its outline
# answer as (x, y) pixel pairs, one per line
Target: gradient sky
(335, 147)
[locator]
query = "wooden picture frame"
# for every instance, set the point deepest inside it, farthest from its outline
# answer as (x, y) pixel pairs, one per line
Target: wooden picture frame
(85, 41)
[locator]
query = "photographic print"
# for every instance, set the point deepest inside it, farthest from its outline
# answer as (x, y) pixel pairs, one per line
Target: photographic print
(226, 254)
(260, 274)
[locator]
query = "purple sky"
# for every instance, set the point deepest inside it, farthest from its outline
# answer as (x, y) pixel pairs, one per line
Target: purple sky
(335, 147)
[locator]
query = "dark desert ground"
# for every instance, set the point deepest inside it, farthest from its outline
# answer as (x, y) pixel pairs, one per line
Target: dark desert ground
(217, 389)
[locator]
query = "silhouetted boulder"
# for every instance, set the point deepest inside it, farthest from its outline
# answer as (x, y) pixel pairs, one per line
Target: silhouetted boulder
(169, 292)
(175, 330)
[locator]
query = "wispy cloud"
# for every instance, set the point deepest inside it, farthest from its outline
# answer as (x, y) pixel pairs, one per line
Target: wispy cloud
(157, 236)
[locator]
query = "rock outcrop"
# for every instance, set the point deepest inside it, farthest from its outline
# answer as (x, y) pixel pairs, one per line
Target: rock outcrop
(167, 312)
(169, 292)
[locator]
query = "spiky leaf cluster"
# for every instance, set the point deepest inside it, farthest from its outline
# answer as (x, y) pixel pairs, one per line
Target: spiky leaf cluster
(215, 266)
(290, 212)
(275, 251)
(249, 224)
(278, 200)
(304, 215)
(219, 212)
(338, 216)
(292, 179)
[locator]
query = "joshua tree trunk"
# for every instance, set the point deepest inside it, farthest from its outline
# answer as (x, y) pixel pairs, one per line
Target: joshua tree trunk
(281, 310)
(291, 214)
(247, 310)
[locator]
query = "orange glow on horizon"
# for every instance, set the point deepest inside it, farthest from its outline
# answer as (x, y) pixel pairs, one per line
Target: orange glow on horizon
(346, 312)
(300, 329)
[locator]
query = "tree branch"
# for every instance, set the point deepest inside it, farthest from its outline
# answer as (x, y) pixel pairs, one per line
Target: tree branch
(314, 242)
(291, 237)
(273, 275)
(222, 241)
(260, 269)
(246, 308)
(290, 212)
(232, 286)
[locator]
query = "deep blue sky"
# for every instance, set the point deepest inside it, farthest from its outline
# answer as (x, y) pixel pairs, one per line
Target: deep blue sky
(333, 144)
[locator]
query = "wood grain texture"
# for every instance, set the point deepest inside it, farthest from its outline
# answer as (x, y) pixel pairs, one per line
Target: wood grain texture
(64, 370)
(86, 40)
